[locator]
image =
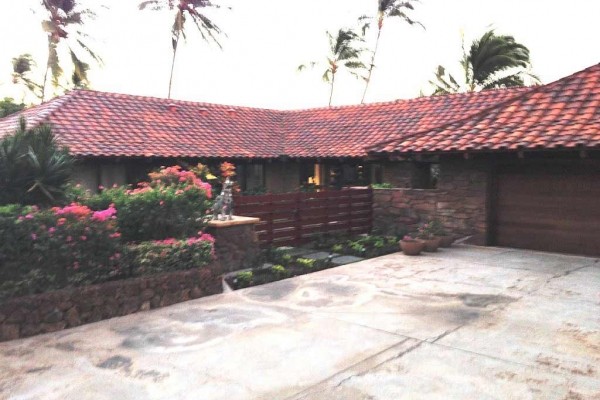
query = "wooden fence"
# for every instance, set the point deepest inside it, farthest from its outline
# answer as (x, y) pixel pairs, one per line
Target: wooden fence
(295, 218)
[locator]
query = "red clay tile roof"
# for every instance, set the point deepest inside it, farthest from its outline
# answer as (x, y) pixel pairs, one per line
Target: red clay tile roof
(563, 114)
(98, 124)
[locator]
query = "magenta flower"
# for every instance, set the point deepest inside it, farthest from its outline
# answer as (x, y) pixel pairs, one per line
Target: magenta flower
(104, 214)
(51, 230)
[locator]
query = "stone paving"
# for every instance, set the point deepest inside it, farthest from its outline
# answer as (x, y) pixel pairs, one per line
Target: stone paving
(463, 323)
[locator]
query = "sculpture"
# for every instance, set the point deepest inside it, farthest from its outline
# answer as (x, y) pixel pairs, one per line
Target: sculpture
(224, 203)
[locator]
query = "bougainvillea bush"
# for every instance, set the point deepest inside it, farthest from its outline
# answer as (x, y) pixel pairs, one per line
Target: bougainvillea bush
(171, 254)
(48, 249)
(174, 203)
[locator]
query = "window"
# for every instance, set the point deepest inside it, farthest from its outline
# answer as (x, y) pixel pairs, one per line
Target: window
(425, 175)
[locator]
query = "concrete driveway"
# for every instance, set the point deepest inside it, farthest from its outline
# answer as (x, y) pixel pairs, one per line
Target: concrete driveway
(465, 323)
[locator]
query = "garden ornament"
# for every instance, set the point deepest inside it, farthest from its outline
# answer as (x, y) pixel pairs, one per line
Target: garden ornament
(224, 203)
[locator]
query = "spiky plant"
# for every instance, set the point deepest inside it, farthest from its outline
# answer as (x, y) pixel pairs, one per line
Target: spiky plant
(385, 9)
(34, 169)
(184, 9)
(343, 53)
(493, 61)
(64, 19)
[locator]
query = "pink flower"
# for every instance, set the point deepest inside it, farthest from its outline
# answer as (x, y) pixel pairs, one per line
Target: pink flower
(206, 237)
(69, 239)
(101, 187)
(104, 214)
(83, 238)
(162, 203)
(73, 209)
(115, 235)
(29, 216)
(169, 241)
(76, 265)
(33, 236)
(51, 230)
(61, 221)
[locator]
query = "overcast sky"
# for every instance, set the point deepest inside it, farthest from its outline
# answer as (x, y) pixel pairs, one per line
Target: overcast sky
(268, 39)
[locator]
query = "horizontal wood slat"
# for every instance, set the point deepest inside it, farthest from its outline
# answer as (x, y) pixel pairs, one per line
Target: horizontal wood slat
(293, 218)
(551, 212)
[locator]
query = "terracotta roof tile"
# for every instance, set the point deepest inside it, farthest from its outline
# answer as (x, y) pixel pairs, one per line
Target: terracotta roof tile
(565, 113)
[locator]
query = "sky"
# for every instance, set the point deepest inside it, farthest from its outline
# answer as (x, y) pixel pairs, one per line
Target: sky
(267, 40)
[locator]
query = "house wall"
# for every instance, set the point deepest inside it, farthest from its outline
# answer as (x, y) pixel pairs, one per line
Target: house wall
(92, 174)
(460, 202)
(282, 177)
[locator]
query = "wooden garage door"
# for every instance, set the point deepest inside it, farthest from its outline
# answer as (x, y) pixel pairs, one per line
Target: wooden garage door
(549, 212)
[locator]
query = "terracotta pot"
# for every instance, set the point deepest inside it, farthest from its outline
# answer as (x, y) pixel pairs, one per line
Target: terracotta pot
(412, 247)
(446, 240)
(432, 245)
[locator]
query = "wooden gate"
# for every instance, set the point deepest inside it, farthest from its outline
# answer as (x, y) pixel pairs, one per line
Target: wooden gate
(295, 218)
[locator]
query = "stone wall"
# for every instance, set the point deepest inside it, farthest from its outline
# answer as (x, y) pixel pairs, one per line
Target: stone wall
(66, 308)
(236, 242)
(460, 202)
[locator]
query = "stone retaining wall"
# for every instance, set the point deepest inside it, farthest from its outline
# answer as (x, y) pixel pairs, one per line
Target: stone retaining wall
(66, 308)
(459, 202)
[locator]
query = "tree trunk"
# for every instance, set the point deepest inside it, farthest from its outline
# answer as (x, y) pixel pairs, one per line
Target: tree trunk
(368, 80)
(173, 63)
(43, 97)
(332, 83)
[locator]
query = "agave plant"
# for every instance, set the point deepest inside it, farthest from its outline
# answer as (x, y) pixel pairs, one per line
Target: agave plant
(386, 9)
(493, 61)
(184, 9)
(343, 53)
(34, 169)
(64, 18)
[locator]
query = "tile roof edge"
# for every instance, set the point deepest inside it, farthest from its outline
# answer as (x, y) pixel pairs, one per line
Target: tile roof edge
(526, 91)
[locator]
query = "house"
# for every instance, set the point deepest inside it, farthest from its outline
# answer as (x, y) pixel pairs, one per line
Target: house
(119, 138)
(524, 173)
(513, 167)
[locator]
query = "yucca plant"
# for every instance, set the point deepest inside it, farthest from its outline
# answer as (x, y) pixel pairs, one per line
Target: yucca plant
(344, 52)
(34, 169)
(493, 61)
(184, 9)
(385, 9)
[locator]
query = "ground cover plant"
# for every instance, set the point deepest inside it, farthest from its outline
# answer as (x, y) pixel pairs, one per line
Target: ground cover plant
(280, 263)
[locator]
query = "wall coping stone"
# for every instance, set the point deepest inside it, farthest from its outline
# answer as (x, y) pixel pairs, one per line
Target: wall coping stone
(237, 220)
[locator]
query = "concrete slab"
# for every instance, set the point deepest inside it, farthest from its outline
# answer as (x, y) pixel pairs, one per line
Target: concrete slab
(295, 251)
(320, 255)
(343, 260)
(466, 322)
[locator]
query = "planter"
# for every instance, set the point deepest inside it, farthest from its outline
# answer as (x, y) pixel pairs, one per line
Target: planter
(446, 240)
(432, 245)
(412, 247)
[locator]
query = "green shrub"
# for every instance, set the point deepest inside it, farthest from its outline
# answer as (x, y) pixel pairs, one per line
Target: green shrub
(170, 255)
(244, 279)
(42, 250)
(34, 169)
(279, 271)
(382, 186)
(306, 263)
(174, 204)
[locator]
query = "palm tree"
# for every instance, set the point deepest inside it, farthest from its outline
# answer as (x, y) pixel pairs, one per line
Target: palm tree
(385, 9)
(22, 67)
(342, 53)
(493, 61)
(64, 19)
(208, 29)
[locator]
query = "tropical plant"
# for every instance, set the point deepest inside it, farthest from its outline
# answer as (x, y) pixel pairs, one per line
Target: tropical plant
(186, 8)
(8, 106)
(34, 169)
(22, 68)
(343, 52)
(385, 9)
(493, 61)
(64, 18)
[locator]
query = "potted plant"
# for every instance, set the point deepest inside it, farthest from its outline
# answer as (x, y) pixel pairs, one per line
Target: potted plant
(425, 233)
(438, 230)
(411, 246)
